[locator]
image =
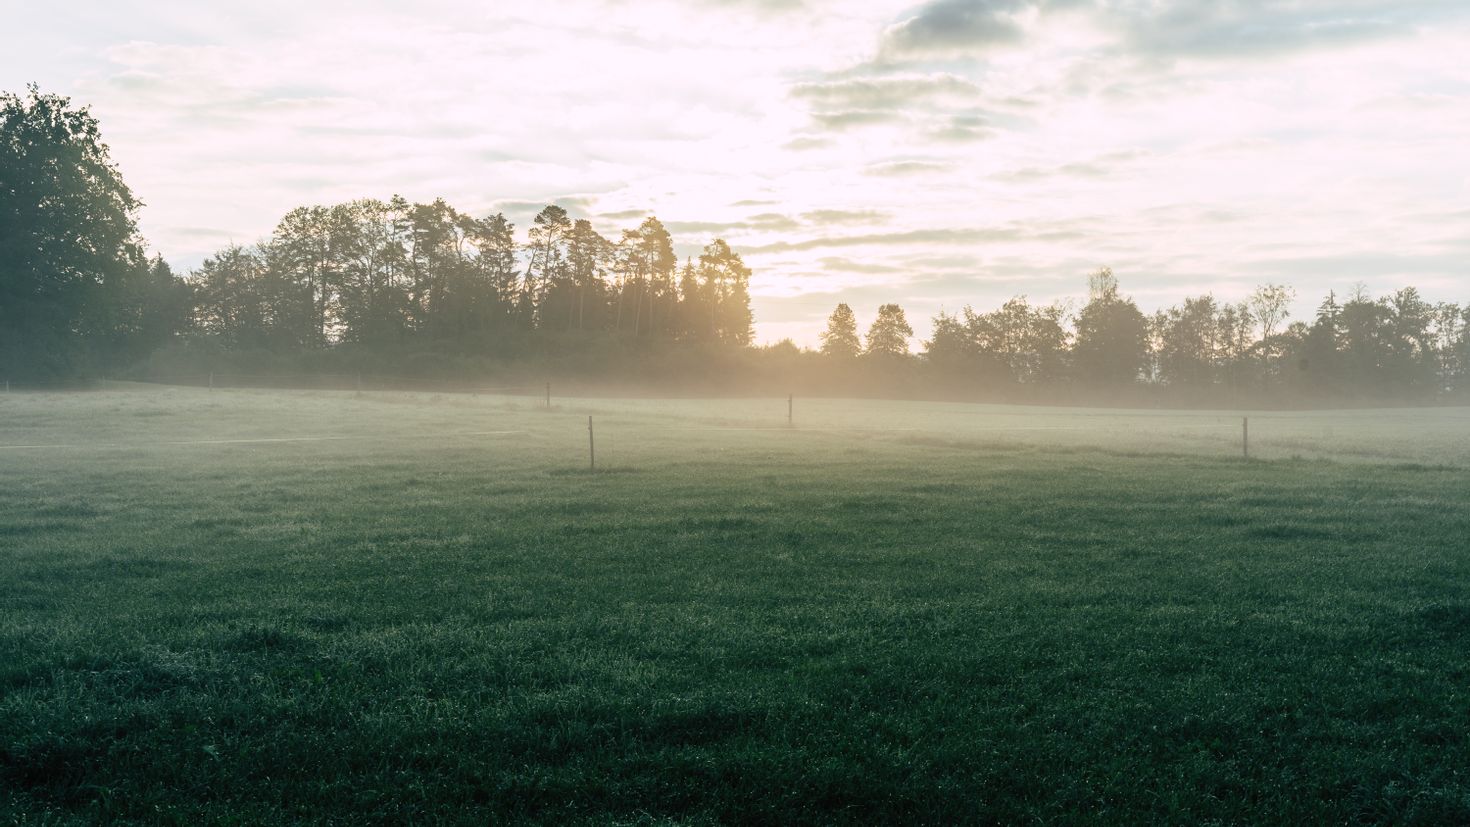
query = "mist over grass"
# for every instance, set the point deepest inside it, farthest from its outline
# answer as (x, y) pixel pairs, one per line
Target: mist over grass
(934, 612)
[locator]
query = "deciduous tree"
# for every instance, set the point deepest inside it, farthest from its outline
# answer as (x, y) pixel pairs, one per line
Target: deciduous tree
(889, 334)
(840, 339)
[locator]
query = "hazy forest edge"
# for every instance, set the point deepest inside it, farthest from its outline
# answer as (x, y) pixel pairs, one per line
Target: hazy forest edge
(424, 290)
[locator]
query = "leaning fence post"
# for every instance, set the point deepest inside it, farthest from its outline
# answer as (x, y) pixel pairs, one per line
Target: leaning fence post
(591, 447)
(1245, 437)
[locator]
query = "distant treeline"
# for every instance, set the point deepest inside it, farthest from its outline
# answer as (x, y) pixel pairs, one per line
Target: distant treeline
(426, 290)
(1398, 347)
(393, 275)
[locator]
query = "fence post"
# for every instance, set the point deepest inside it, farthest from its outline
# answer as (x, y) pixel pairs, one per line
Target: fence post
(211, 381)
(790, 408)
(591, 447)
(548, 399)
(359, 384)
(1245, 437)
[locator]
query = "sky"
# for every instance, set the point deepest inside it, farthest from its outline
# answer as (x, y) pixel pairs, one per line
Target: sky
(938, 155)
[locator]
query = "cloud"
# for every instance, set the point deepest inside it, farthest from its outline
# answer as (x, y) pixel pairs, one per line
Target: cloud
(829, 217)
(949, 26)
(890, 92)
(764, 222)
(771, 221)
(1100, 166)
(1166, 29)
(760, 5)
(701, 226)
(806, 143)
(847, 265)
(1241, 30)
(963, 128)
(848, 118)
(211, 233)
(936, 236)
(1379, 267)
(897, 168)
(844, 102)
(566, 202)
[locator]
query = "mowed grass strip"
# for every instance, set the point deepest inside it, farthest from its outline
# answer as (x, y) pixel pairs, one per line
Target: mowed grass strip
(722, 627)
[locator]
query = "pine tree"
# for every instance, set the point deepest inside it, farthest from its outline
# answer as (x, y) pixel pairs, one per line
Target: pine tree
(726, 286)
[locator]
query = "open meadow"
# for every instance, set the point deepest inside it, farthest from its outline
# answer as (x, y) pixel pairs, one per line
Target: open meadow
(267, 606)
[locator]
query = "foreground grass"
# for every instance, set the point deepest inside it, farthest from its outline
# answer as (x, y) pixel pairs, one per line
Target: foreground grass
(721, 627)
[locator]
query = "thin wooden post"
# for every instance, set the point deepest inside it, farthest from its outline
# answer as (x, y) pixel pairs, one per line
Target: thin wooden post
(548, 398)
(591, 448)
(790, 409)
(359, 384)
(1245, 437)
(211, 381)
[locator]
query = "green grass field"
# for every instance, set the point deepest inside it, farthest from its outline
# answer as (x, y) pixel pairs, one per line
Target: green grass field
(252, 606)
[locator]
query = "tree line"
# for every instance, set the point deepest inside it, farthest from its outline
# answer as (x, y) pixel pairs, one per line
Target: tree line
(1399, 346)
(427, 288)
(384, 274)
(78, 295)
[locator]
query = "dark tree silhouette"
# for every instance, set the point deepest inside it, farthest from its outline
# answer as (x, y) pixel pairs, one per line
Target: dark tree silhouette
(74, 282)
(725, 286)
(1112, 336)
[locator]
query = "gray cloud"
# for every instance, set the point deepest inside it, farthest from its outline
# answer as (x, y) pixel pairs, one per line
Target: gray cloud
(945, 262)
(1100, 166)
(896, 168)
(1229, 30)
(199, 232)
(767, 222)
(761, 5)
(953, 25)
(1169, 30)
(838, 264)
(1378, 267)
(829, 217)
(845, 102)
(802, 143)
(772, 221)
(566, 202)
(848, 118)
(883, 92)
(936, 236)
(701, 226)
(962, 129)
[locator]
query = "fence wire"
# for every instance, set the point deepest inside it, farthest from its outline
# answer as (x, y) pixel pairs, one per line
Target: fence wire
(1438, 437)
